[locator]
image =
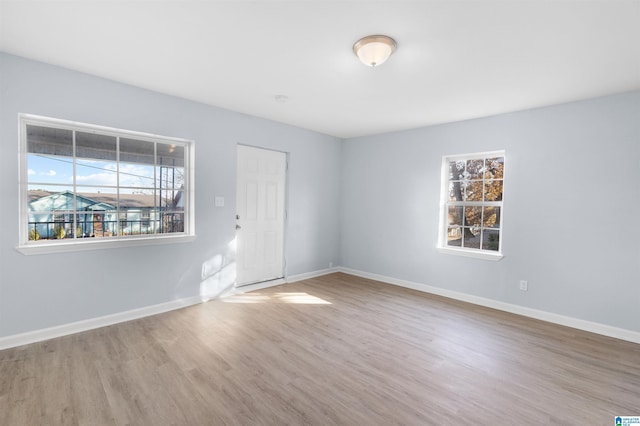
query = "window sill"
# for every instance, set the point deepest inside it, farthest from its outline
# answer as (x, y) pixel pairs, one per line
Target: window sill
(468, 253)
(97, 244)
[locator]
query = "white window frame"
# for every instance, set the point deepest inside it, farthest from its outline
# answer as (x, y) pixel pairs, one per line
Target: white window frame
(29, 247)
(444, 203)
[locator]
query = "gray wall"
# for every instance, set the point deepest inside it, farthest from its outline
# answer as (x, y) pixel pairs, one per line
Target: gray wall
(571, 209)
(572, 199)
(47, 290)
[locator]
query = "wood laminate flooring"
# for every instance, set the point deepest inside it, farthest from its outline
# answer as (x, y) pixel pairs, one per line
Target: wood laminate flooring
(333, 350)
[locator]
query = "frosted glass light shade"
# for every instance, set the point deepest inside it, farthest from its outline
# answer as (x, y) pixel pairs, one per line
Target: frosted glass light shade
(374, 50)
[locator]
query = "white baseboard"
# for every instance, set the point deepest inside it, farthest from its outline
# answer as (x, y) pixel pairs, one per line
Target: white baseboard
(93, 323)
(593, 327)
(309, 275)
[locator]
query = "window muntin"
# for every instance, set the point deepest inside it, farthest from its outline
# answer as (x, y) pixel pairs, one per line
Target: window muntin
(472, 203)
(83, 183)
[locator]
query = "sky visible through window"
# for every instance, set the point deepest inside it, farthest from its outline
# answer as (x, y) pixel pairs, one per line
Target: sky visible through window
(46, 170)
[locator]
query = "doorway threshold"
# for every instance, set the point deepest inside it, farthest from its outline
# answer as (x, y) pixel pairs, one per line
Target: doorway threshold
(243, 288)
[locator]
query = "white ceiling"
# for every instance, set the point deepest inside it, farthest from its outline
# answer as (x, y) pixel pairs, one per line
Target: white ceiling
(455, 59)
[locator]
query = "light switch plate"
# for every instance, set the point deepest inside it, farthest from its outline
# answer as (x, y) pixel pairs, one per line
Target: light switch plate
(219, 201)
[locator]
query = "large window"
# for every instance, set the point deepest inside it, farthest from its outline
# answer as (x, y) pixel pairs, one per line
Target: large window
(472, 192)
(85, 184)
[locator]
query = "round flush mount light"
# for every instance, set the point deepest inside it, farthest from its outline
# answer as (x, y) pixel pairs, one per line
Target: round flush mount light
(374, 50)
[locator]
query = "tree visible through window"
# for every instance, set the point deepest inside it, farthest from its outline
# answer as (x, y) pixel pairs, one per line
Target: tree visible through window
(473, 197)
(85, 181)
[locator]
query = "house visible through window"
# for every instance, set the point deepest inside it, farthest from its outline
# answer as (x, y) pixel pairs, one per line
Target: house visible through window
(84, 182)
(472, 204)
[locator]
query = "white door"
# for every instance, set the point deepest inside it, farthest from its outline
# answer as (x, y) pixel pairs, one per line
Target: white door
(260, 212)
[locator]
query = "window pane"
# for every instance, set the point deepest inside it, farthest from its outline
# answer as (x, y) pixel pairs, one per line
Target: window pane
(456, 191)
(137, 165)
(170, 177)
(140, 221)
(454, 236)
(90, 198)
(495, 168)
(490, 239)
(95, 172)
(493, 190)
(84, 225)
(171, 199)
(50, 156)
(40, 226)
(171, 221)
(138, 201)
(456, 170)
(137, 151)
(57, 198)
(137, 177)
(471, 237)
(475, 169)
(103, 223)
(62, 227)
(49, 169)
(48, 140)
(96, 146)
(454, 215)
(95, 159)
(153, 223)
(129, 222)
(491, 217)
(473, 191)
(166, 198)
(454, 226)
(170, 155)
(473, 216)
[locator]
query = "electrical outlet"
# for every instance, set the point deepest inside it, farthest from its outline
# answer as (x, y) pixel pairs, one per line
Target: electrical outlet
(524, 285)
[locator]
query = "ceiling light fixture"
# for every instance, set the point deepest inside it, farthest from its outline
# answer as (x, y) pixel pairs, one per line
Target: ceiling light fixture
(373, 50)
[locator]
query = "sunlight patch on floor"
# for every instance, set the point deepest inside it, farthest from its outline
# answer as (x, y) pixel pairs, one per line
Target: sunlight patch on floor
(297, 298)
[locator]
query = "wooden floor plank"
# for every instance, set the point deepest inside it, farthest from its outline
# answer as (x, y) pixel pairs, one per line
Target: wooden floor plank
(332, 350)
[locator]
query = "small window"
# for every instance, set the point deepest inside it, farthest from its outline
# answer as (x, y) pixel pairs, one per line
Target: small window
(472, 212)
(82, 184)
